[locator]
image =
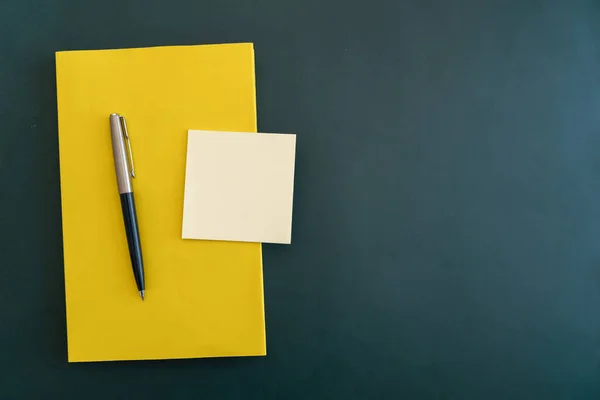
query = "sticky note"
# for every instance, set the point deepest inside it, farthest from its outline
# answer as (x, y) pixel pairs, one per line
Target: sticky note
(239, 186)
(203, 298)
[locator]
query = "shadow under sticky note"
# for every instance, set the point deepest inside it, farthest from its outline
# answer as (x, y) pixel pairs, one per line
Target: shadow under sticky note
(203, 299)
(239, 186)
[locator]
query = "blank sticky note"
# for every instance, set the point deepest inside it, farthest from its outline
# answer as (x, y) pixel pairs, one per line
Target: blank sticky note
(239, 186)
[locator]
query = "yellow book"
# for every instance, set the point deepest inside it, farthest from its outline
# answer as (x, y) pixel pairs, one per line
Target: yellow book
(203, 298)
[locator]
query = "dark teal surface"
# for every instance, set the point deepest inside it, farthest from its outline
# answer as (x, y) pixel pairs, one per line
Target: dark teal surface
(446, 240)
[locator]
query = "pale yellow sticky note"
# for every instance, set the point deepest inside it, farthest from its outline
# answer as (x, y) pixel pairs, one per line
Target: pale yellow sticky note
(239, 186)
(203, 299)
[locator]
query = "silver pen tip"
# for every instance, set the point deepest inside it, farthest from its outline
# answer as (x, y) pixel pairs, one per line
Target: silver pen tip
(142, 294)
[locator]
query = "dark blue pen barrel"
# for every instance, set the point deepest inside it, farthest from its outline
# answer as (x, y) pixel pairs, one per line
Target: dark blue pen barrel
(133, 238)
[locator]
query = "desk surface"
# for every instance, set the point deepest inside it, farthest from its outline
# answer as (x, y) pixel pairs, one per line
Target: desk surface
(446, 217)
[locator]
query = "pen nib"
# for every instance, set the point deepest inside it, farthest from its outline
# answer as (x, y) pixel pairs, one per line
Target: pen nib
(142, 294)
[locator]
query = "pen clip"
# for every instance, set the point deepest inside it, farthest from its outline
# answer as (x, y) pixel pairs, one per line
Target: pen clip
(130, 158)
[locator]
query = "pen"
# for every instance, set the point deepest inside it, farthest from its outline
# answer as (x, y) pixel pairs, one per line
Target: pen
(125, 171)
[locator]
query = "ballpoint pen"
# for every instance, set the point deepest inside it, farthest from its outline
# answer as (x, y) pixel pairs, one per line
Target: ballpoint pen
(125, 171)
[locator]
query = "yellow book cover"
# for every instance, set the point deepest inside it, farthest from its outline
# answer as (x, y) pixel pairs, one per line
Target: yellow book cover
(203, 298)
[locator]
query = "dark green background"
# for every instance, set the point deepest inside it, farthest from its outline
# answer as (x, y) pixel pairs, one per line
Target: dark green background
(446, 240)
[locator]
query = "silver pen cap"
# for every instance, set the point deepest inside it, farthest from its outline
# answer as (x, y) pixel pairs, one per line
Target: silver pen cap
(122, 153)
